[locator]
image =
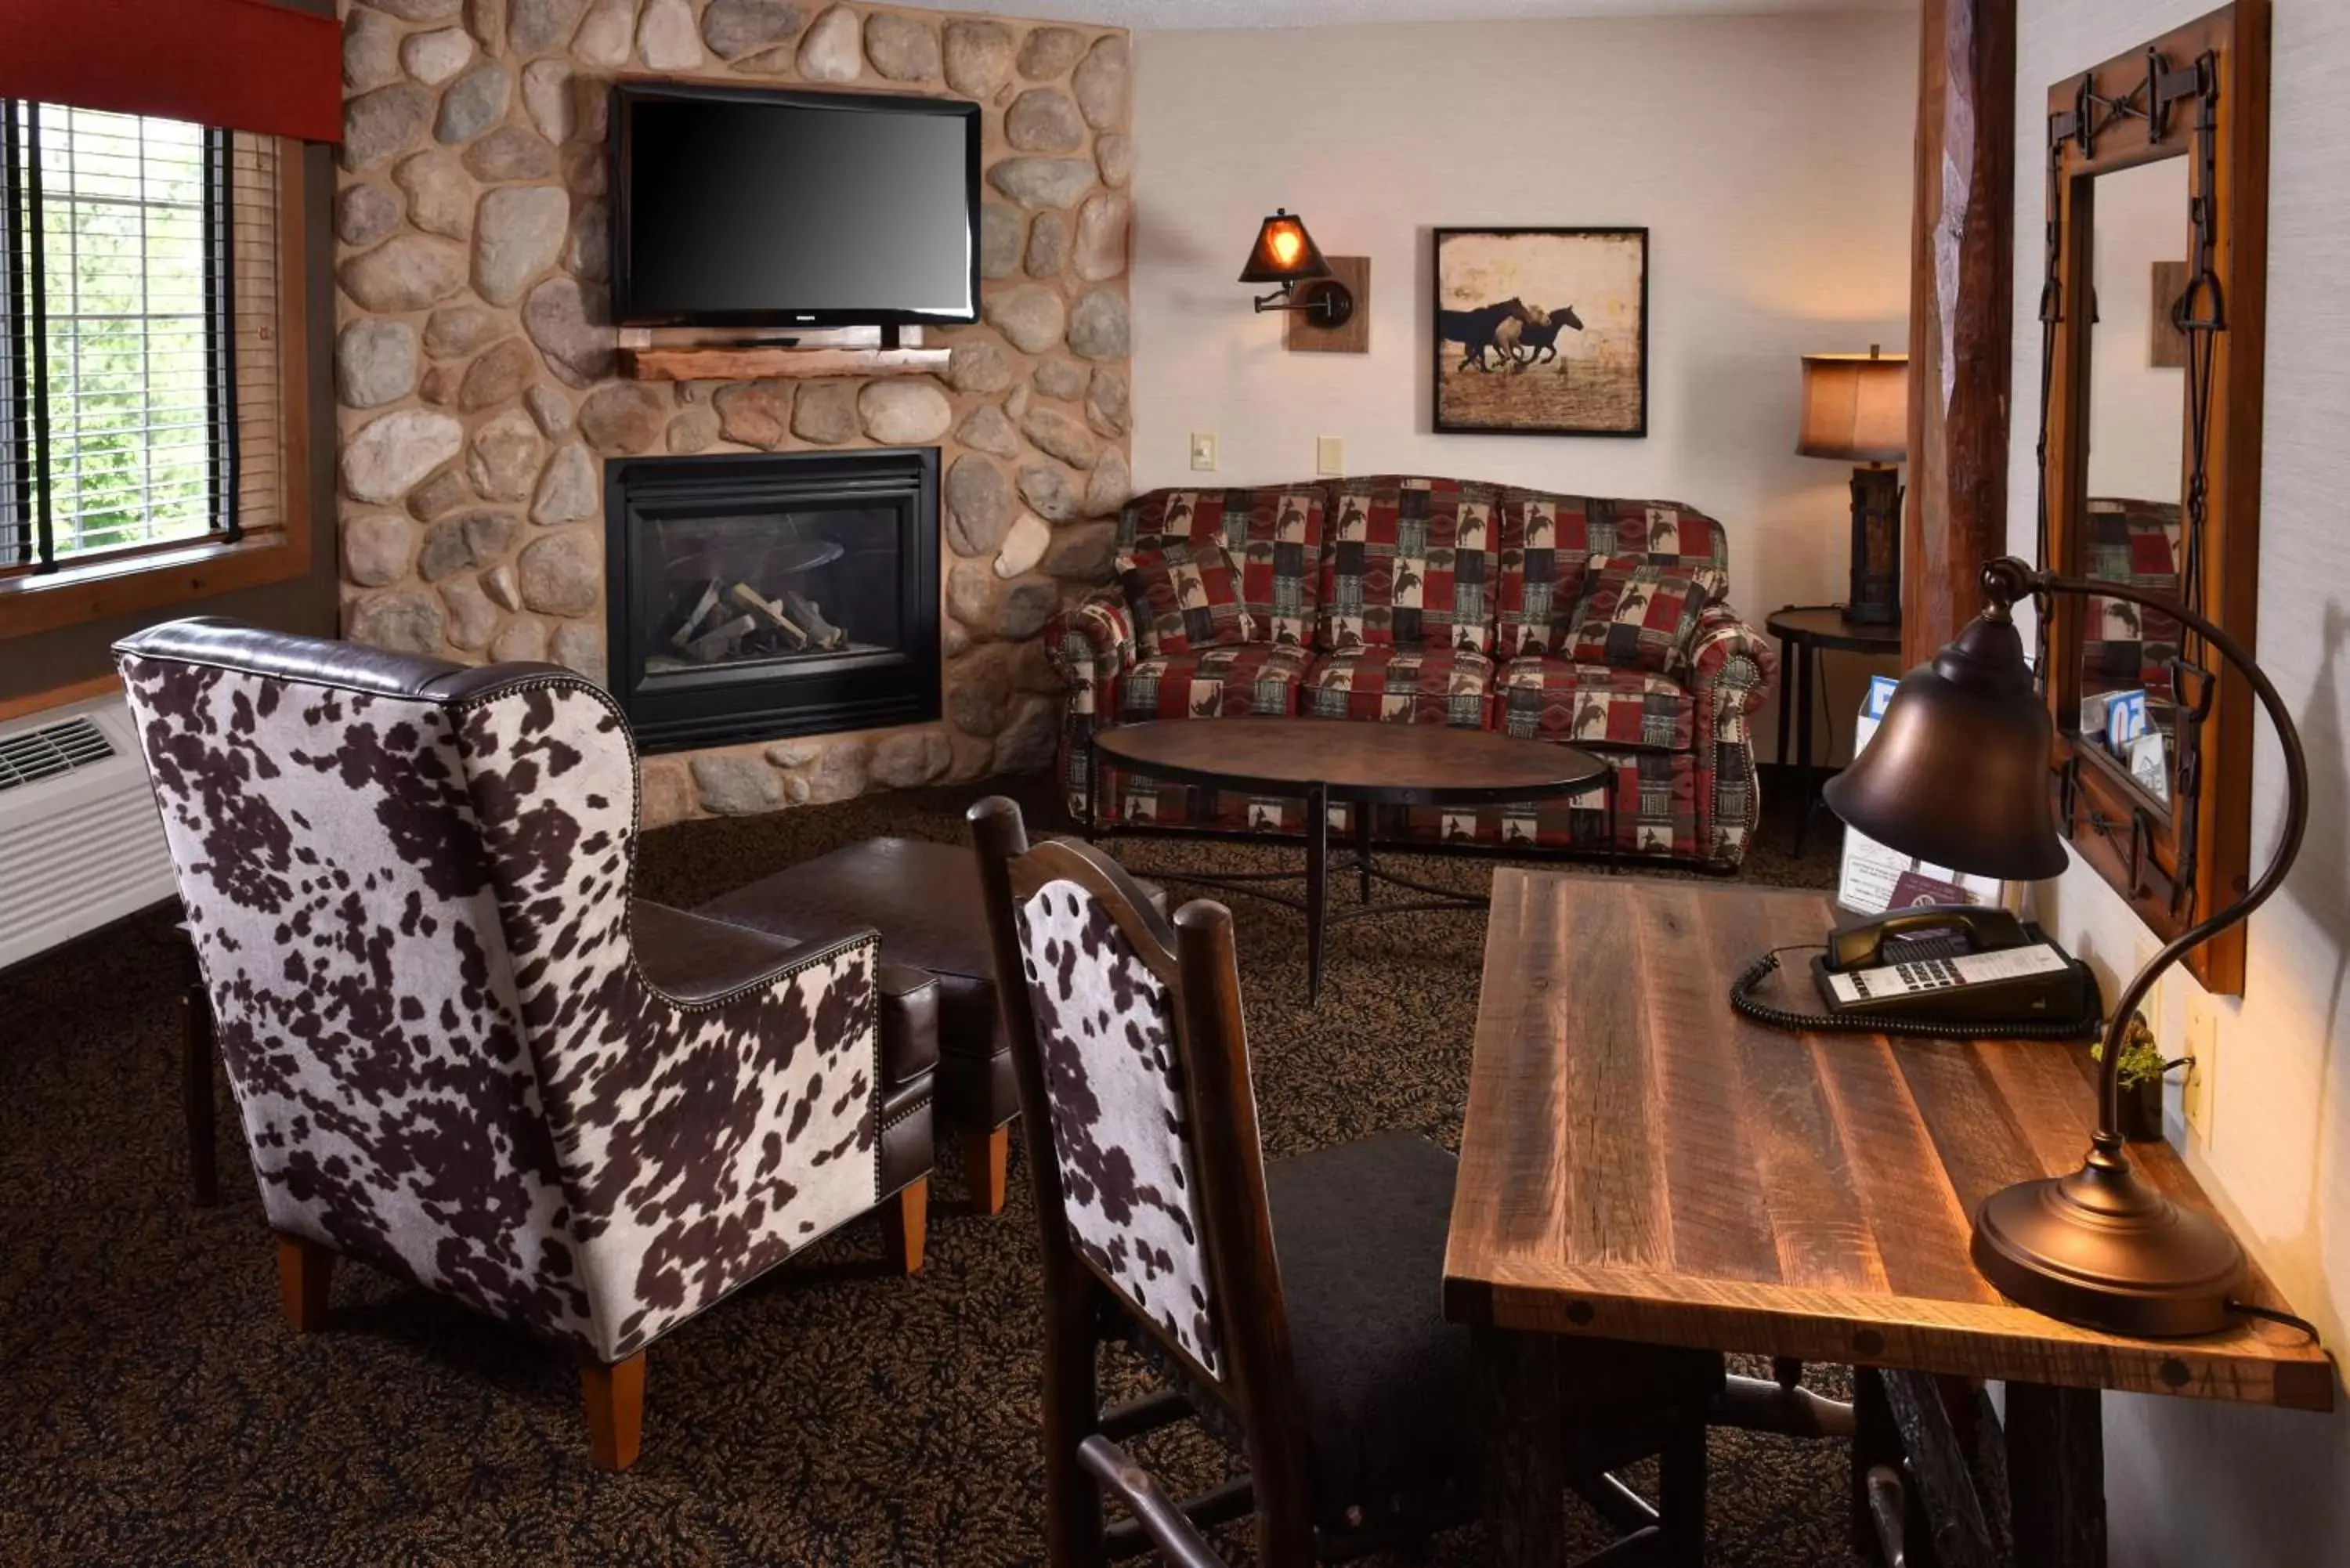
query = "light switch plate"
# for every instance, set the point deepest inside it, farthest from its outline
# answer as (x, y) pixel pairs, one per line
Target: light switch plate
(2201, 1095)
(1330, 455)
(1203, 451)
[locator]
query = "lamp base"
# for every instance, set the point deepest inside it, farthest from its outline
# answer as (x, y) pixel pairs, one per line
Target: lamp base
(1875, 596)
(2102, 1248)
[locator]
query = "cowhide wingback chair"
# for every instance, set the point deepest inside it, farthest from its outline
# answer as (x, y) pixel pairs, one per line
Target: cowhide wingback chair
(461, 1051)
(1294, 1309)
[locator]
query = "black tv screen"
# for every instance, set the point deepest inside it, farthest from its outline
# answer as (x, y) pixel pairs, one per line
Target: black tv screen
(792, 209)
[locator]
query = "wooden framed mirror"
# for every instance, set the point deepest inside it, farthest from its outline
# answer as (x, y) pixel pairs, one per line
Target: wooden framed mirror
(2152, 323)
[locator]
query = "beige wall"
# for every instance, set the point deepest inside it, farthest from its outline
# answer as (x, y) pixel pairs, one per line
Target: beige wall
(2191, 1484)
(1768, 158)
(480, 395)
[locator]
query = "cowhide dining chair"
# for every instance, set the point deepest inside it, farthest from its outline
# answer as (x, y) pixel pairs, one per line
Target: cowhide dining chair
(1292, 1308)
(461, 1051)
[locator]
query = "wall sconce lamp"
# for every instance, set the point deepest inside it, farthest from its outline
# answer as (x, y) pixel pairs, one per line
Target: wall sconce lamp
(1285, 253)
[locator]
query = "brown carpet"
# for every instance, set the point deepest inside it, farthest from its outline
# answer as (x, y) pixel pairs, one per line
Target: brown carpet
(159, 1410)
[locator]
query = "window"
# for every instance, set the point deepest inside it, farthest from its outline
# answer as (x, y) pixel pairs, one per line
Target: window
(139, 384)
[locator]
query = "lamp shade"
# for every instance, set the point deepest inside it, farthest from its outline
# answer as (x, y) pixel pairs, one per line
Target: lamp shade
(1957, 773)
(1855, 407)
(1284, 252)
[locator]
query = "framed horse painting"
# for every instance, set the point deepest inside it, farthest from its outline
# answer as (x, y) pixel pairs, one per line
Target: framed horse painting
(1541, 332)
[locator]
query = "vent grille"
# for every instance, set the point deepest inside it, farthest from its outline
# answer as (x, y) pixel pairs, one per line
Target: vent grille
(51, 750)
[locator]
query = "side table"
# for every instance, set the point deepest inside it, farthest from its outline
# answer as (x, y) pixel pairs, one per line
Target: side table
(1807, 631)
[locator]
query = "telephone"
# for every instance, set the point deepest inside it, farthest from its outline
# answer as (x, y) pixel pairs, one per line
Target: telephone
(1962, 963)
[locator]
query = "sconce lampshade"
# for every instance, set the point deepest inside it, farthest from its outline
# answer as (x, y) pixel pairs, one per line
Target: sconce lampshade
(1284, 252)
(1855, 407)
(1957, 773)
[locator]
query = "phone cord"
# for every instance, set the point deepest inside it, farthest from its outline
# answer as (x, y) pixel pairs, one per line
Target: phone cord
(1742, 1001)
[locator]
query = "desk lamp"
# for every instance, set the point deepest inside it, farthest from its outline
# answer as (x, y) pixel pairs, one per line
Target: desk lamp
(1958, 775)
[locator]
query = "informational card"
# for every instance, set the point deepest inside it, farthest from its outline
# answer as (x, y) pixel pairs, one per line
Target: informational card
(1874, 878)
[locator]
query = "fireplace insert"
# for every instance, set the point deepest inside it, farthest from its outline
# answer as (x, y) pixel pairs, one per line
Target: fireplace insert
(757, 597)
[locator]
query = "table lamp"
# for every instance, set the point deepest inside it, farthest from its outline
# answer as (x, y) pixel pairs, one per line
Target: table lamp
(1856, 408)
(1958, 775)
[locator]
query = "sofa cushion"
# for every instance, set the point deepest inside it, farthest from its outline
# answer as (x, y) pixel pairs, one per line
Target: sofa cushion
(1548, 699)
(1411, 565)
(1635, 615)
(1185, 595)
(1545, 542)
(1212, 682)
(1273, 535)
(1400, 686)
(2123, 645)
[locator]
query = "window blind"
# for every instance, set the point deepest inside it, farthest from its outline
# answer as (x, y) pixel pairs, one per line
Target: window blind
(140, 373)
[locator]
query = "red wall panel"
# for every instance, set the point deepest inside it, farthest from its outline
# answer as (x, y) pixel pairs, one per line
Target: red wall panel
(245, 64)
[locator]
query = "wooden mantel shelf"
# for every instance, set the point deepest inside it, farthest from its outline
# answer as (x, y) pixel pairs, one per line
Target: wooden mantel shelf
(758, 364)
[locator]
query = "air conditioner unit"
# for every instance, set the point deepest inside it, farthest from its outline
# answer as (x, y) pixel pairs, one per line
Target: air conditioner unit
(80, 840)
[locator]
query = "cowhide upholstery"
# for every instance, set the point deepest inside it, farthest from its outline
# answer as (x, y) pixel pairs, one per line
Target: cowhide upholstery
(409, 888)
(1113, 1083)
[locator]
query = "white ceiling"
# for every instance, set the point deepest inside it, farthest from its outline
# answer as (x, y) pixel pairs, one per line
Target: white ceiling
(1147, 15)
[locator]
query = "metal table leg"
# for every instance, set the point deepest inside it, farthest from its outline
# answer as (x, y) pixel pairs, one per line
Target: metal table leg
(1362, 811)
(1317, 886)
(1806, 657)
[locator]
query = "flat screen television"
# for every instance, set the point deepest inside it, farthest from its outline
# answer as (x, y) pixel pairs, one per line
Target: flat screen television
(751, 207)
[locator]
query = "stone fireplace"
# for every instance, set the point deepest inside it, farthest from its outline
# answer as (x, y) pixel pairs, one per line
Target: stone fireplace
(484, 408)
(762, 596)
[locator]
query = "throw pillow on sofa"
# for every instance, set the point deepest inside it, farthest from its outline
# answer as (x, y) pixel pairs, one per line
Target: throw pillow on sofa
(1186, 596)
(1636, 614)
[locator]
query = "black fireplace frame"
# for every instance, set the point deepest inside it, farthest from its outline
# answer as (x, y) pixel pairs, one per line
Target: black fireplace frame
(728, 704)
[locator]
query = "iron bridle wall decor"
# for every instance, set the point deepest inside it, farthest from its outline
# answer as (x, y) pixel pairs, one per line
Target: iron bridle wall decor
(2198, 93)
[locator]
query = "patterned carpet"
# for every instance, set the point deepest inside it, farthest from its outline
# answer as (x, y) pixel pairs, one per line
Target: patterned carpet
(160, 1410)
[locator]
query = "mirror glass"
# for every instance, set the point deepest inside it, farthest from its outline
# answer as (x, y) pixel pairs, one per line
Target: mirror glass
(2136, 440)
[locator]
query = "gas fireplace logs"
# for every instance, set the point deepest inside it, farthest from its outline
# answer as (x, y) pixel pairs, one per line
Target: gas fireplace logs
(740, 622)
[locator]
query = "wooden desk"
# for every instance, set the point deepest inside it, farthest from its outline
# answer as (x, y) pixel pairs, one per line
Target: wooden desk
(1640, 1163)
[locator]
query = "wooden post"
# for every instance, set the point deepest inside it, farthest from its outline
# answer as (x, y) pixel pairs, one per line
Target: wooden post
(1961, 316)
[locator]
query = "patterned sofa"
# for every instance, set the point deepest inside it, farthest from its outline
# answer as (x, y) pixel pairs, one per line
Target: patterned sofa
(1400, 599)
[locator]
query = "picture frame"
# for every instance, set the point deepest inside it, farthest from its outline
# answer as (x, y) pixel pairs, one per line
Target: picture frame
(1539, 331)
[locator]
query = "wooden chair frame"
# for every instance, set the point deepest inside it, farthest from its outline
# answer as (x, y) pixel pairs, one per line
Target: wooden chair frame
(1196, 957)
(1197, 960)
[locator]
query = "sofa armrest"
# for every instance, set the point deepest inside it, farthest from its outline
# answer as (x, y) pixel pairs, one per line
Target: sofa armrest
(1732, 660)
(1731, 668)
(1090, 645)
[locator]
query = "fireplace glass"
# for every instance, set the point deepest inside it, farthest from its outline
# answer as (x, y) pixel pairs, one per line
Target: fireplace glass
(760, 597)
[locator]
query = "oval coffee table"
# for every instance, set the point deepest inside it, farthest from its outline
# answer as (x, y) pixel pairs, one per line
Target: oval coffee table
(1320, 761)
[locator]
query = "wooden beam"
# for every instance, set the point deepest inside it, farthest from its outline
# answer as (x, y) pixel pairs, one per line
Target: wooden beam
(1961, 316)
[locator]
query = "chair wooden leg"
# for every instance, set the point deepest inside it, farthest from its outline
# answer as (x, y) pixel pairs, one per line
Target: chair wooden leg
(903, 1218)
(616, 1410)
(196, 1086)
(304, 1270)
(984, 1161)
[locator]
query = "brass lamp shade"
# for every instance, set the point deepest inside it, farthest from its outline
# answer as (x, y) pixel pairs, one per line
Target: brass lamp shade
(1284, 252)
(1855, 407)
(1957, 773)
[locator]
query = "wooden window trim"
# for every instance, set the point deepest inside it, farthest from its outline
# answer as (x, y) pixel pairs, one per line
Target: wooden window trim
(137, 581)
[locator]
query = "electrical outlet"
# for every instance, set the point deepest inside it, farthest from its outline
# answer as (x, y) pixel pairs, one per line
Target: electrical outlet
(2201, 1095)
(2151, 1004)
(1330, 455)
(1203, 451)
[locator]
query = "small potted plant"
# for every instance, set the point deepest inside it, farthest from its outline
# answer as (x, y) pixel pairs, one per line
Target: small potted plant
(2142, 1072)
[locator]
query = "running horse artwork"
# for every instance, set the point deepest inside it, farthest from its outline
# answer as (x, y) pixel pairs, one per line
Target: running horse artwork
(1575, 367)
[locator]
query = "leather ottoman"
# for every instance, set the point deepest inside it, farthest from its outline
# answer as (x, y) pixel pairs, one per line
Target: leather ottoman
(924, 899)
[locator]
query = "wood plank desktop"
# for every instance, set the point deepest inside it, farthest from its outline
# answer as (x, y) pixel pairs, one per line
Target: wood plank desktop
(1640, 1163)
